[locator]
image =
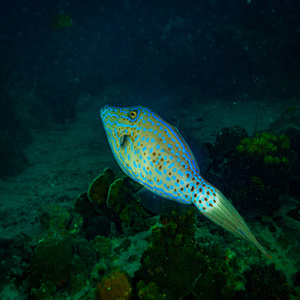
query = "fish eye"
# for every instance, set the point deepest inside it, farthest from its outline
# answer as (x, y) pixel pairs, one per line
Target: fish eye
(133, 114)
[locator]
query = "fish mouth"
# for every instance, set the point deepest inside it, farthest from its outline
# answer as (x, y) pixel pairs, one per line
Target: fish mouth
(104, 110)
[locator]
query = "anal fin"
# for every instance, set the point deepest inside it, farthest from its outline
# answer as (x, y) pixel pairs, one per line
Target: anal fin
(154, 203)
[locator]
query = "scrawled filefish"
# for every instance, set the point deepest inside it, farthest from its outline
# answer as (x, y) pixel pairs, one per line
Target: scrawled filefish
(153, 153)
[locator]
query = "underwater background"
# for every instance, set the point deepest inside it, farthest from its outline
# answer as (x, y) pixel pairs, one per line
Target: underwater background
(223, 72)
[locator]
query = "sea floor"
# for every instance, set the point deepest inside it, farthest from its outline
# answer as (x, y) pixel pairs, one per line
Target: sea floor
(64, 160)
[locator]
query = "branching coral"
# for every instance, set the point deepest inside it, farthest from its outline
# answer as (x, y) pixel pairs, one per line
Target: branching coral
(265, 146)
(266, 159)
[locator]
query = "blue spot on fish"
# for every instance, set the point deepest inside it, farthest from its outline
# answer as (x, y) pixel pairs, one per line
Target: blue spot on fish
(158, 172)
(180, 173)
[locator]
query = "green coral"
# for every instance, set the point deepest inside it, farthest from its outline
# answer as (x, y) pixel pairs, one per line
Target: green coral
(149, 291)
(265, 283)
(45, 292)
(116, 194)
(268, 158)
(103, 246)
(257, 184)
(58, 220)
(174, 261)
(265, 146)
(98, 189)
(212, 284)
(51, 264)
(119, 195)
(76, 224)
(55, 219)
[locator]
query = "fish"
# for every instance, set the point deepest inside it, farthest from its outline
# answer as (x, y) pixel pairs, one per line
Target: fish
(153, 153)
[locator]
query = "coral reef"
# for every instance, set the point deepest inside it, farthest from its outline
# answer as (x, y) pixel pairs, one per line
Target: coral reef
(149, 291)
(51, 264)
(55, 219)
(73, 259)
(15, 256)
(266, 147)
(264, 283)
(174, 261)
(212, 284)
(113, 192)
(119, 194)
(97, 220)
(268, 157)
(289, 125)
(114, 286)
(59, 220)
(264, 163)
(103, 247)
(98, 189)
(115, 196)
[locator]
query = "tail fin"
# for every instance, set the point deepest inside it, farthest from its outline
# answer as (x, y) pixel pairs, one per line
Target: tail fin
(225, 215)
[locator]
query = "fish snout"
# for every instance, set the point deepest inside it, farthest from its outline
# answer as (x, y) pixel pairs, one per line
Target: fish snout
(104, 109)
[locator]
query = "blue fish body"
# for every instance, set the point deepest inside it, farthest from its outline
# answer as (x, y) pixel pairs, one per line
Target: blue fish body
(153, 153)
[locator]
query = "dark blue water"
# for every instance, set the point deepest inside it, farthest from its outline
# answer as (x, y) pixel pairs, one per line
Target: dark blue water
(162, 54)
(220, 46)
(224, 49)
